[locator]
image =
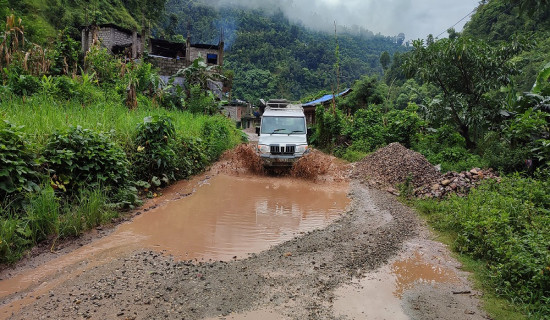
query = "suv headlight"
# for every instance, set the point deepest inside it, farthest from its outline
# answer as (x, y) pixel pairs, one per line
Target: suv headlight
(301, 149)
(262, 148)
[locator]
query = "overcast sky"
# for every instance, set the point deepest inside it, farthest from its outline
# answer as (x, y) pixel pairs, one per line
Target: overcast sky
(415, 18)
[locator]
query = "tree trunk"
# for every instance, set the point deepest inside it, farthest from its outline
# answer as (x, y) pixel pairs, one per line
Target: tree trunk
(464, 131)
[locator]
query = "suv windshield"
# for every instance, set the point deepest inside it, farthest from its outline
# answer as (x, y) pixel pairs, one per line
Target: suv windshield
(284, 125)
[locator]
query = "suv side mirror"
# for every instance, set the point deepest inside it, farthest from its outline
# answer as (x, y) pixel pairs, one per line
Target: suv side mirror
(258, 130)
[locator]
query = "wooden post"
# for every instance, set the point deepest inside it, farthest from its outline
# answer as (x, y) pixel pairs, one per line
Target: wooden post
(134, 45)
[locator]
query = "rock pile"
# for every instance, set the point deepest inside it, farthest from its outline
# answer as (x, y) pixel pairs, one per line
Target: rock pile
(395, 164)
(455, 183)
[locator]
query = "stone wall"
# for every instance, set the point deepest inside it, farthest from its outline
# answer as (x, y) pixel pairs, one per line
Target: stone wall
(195, 52)
(167, 66)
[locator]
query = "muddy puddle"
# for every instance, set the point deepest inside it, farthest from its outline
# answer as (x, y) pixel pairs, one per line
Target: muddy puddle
(378, 295)
(232, 216)
(222, 218)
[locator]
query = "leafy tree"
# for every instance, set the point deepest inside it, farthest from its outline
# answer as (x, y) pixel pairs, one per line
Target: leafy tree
(394, 74)
(465, 70)
(366, 91)
(199, 74)
(531, 6)
(385, 60)
(452, 33)
(65, 54)
(499, 20)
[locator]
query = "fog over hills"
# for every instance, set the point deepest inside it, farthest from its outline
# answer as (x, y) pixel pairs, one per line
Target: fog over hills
(415, 18)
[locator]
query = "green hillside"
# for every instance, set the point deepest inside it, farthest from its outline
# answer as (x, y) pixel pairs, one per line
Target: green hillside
(43, 18)
(274, 57)
(269, 55)
(501, 20)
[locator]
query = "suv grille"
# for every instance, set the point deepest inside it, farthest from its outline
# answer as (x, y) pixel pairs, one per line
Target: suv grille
(276, 149)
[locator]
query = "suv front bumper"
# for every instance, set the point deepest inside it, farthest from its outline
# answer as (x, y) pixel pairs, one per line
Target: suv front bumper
(270, 160)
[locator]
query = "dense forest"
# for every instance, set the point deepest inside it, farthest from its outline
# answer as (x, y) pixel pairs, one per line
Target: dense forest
(476, 98)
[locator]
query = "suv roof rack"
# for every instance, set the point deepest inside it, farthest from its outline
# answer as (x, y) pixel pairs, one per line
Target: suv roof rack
(277, 103)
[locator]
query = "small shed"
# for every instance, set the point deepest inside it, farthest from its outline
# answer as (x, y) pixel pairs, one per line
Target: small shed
(309, 107)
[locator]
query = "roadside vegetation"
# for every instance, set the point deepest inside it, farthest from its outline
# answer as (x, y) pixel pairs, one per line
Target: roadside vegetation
(470, 101)
(83, 138)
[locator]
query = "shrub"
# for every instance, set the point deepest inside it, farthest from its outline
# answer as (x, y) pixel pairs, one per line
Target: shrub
(446, 147)
(201, 102)
(402, 125)
(216, 134)
(191, 156)
(328, 129)
(64, 87)
(18, 165)
(507, 225)
(77, 158)
(23, 84)
(103, 65)
(154, 155)
(367, 130)
(65, 54)
(499, 154)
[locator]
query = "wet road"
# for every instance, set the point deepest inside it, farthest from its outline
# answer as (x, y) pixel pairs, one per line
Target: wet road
(222, 218)
(319, 251)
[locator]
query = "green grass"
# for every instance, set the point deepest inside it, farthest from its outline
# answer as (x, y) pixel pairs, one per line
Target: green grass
(40, 115)
(497, 307)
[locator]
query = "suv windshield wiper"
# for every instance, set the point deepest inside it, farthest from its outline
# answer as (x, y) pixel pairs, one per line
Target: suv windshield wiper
(276, 130)
(296, 131)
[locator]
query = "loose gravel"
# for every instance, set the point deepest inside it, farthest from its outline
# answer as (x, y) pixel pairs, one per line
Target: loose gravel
(395, 164)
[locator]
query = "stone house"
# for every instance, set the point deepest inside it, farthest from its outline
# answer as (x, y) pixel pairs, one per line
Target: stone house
(168, 56)
(242, 113)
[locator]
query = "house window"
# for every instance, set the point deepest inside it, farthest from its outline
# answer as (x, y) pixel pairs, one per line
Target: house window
(212, 58)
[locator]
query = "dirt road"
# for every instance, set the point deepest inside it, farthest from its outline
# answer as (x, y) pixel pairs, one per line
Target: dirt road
(376, 261)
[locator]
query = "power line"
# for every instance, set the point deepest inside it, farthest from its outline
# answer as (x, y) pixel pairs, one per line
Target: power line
(506, 11)
(459, 21)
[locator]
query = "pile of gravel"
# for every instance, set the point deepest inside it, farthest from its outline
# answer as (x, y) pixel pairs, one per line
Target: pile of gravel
(456, 183)
(393, 164)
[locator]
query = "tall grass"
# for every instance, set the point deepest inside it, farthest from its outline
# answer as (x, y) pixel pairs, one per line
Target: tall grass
(40, 115)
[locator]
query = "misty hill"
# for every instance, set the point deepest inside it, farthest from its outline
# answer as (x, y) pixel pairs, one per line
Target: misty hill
(274, 57)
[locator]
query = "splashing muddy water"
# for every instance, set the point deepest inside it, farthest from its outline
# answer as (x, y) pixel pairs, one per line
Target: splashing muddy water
(221, 218)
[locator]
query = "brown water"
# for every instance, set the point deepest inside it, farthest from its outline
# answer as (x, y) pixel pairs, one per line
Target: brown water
(224, 217)
(232, 216)
(378, 295)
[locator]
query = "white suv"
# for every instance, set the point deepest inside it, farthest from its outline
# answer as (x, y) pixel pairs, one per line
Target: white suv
(283, 134)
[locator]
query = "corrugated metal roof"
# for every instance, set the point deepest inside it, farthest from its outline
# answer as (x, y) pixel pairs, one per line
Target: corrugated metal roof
(326, 98)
